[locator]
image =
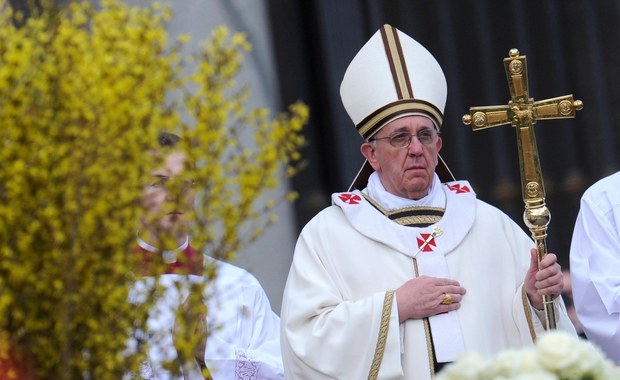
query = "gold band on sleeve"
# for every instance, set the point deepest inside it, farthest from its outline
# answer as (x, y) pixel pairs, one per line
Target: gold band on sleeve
(383, 333)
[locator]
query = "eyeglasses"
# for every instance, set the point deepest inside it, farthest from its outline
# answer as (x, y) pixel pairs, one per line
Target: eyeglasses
(403, 139)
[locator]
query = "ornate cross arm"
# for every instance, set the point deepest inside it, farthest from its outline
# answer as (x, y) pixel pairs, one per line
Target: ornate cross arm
(523, 112)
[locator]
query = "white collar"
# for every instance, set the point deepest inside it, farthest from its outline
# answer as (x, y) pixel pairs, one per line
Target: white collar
(170, 256)
(389, 201)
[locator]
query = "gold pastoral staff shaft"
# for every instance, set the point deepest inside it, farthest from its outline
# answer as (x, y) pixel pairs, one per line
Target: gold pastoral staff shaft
(523, 112)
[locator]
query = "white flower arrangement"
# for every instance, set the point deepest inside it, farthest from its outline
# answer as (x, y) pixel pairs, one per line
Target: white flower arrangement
(555, 356)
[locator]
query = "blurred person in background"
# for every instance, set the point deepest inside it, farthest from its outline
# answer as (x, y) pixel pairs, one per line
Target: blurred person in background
(240, 331)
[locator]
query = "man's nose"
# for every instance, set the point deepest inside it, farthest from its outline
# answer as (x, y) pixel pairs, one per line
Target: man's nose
(415, 146)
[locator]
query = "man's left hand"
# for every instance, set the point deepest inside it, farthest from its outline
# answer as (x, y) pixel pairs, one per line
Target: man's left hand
(544, 278)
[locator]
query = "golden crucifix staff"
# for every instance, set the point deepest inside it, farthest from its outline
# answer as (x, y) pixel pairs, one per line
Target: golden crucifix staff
(522, 112)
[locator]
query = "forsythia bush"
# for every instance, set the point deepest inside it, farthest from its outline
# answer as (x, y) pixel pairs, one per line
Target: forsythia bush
(84, 91)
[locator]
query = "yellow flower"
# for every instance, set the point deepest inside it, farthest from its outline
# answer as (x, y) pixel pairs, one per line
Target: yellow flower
(83, 94)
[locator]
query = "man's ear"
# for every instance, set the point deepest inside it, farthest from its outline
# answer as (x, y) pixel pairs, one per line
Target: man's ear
(368, 151)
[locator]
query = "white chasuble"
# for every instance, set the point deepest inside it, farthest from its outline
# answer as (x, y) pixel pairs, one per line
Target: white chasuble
(428, 245)
(340, 319)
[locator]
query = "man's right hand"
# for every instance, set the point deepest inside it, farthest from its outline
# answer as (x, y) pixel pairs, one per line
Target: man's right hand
(426, 296)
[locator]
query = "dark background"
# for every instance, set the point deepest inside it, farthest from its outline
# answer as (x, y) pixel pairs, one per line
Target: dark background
(571, 46)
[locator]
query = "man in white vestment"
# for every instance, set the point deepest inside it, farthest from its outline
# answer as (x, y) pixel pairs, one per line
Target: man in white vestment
(595, 265)
(241, 332)
(408, 269)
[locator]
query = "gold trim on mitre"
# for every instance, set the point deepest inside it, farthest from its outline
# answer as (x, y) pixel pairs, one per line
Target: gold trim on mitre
(379, 118)
(396, 59)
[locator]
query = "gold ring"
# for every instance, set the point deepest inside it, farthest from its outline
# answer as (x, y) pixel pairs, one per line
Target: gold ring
(447, 299)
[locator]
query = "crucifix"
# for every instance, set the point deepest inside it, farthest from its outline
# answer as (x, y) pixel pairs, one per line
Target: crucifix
(523, 112)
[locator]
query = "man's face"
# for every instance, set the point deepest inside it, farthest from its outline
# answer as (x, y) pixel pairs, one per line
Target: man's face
(168, 197)
(405, 171)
